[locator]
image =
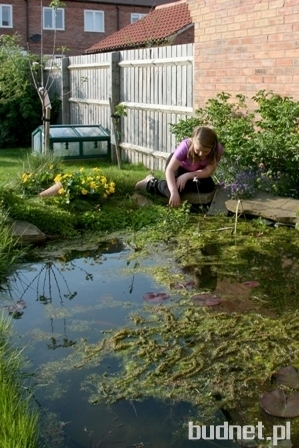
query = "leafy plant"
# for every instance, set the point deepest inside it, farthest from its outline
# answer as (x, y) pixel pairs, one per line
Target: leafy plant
(39, 171)
(18, 101)
(78, 184)
(266, 140)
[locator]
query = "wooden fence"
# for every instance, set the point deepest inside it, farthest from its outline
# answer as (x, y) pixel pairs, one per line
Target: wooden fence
(155, 85)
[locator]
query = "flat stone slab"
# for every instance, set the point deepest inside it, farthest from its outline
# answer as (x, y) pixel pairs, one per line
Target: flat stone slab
(27, 232)
(218, 203)
(268, 206)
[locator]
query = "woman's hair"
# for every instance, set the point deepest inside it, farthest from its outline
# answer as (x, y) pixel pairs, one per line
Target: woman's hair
(207, 138)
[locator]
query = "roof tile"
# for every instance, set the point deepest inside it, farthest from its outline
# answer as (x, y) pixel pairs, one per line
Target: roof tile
(161, 23)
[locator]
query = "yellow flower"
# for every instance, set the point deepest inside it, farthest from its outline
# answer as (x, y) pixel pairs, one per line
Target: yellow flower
(105, 196)
(81, 170)
(61, 190)
(84, 191)
(58, 178)
(93, 185)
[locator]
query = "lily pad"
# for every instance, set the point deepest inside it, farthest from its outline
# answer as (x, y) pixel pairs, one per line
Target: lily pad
(16, 307)
(278, 404)
(251, 283)
(155, 297)
(206, 299)
(184, 285)
(288, 376)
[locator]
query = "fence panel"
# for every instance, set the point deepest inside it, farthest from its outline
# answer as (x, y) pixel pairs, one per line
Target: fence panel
(156, 86)
(90, 88)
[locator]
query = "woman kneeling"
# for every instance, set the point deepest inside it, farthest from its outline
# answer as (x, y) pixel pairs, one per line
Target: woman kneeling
(189, 168)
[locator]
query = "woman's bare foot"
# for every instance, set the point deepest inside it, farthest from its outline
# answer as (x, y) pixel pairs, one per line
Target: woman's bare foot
(142, 183)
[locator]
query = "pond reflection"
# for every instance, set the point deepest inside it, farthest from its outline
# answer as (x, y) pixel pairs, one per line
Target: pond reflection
(78, 298)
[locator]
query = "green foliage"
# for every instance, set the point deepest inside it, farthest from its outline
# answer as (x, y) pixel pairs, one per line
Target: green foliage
(18, 421)
(19, 103)
(10, 253)
(38, 173)
(121, 110)
(267, 139)
(57, 4)
(50, 219)
(76, 184)
(277, 138)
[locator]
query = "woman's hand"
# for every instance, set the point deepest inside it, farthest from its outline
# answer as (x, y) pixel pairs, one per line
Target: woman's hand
(174, 200)
(181, 181)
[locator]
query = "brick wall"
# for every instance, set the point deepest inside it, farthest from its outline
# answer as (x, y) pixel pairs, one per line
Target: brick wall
(73, 37)
(243, 46)
(186, 37)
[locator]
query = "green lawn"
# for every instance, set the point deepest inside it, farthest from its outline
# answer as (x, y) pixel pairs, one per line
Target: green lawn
(11, 161)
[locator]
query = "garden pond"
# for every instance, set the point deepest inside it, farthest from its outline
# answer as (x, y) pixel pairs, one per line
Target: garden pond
(132, 338)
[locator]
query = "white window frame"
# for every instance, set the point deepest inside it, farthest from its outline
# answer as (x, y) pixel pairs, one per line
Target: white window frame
(53, 11)
(94, 12)
(138, 16)
(10, 16)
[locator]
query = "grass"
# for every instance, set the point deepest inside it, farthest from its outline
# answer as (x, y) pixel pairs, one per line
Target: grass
(11, 162)
(18, 427)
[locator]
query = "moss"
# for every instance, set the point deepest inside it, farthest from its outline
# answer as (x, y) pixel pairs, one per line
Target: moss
(210, 357)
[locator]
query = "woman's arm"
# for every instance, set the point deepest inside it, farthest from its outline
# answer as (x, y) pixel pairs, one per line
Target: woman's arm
(199, 174)
(173, 165)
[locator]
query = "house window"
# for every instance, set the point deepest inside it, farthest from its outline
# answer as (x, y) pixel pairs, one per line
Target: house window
(94, 21)
(136, 16)
(5, 16)
(53, 18)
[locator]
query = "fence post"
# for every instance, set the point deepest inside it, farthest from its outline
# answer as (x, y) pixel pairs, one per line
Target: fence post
(114, 94)
(65, 91)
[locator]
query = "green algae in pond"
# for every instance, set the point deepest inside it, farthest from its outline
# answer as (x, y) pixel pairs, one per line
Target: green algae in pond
(269, 258)
(188, 354)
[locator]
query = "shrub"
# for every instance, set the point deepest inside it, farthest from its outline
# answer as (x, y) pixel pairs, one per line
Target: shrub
(78, 184)
(20, 109)
(267, 137)
(39, 171)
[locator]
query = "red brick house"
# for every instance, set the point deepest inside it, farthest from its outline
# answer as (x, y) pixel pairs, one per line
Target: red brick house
(79, 25)
(167, 24)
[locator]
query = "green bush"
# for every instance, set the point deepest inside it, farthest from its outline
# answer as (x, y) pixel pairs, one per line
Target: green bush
(264, 142)
(20, 108)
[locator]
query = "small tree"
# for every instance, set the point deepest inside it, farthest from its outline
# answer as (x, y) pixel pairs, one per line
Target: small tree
(38, 76)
